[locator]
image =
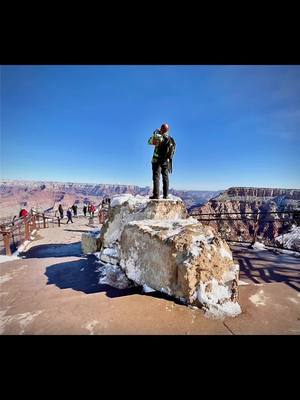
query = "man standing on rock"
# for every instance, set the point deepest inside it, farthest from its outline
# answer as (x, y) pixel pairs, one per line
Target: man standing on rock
(162, 159)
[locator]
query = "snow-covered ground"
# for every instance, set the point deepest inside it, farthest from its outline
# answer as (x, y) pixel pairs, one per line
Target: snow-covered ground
(16, 254)
(290, 239)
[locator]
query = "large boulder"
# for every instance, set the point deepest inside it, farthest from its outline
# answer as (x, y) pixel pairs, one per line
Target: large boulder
(127, 208)
(156, 245)
(184, 259)
(90, 241)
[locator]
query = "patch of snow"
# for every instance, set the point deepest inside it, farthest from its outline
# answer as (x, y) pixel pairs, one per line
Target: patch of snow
(259, 299)
(242, 283)
(231, 274)
(132, 200)
(166, 290)
(224, 253)
(221, 311)
(259, 246)
(8, 258)
(113, 275)
(290, 239)
(110, 252)
(137, 200)
(167, 228)
(148, 289)
(216, 301)
(91, 326)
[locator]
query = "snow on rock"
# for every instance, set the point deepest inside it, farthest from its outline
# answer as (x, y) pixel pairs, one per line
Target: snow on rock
(148, 289)
(153, 244)
(109, 255)
(113, 275)
(127, 208)
(217, 300)
(184, 259)
(291, 240)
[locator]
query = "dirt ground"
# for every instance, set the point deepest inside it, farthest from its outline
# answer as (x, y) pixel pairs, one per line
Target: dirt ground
(54, 289)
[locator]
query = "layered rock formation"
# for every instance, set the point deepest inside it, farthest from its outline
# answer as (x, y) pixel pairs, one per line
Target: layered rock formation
(248, 200)
(158, 247)
(44, 195)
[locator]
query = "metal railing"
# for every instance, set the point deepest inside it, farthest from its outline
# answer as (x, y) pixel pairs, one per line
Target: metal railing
(267, 227)
(14, 233)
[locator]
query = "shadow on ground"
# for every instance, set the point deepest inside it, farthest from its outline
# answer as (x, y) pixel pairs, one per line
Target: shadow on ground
(53, 250)
(81, 275)
(266, 266)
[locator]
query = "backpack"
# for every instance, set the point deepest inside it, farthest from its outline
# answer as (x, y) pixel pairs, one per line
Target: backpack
(167, 150)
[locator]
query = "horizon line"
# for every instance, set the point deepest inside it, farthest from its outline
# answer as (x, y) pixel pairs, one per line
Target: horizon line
(124, 184)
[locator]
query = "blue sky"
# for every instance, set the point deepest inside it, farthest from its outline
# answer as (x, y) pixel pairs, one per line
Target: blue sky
(234, 125)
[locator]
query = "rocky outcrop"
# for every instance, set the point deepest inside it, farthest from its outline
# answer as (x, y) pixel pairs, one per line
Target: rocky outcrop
(291, 239)
(127, 208)
(90, 242)
(251, 200)
(184, 259)
(44, 194)
(159, 248)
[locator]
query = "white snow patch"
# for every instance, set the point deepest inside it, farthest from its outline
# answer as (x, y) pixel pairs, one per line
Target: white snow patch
(16, 254)
(91, 326)
(167, 228)
(110, 252)
(224, 253)
(132, 200)
(242, 283)
(290, 239)
(216, 302)
(137, 200)
(259, 299)
(221, 311)
(259, 246)
(8, 258)
(113, 275)
(148, 289)
(231, 274)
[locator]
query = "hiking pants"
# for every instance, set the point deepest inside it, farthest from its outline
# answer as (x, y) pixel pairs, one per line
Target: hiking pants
(157, 169)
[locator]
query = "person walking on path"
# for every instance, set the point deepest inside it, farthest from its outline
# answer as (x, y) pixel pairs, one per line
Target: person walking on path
(84, 210)
(61, 211)
(69, 215)
(74, 208)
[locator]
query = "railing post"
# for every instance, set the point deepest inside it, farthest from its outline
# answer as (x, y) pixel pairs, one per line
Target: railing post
(44, 220)
(58, 219)
(33, 222)
(27, 230)
(6, 243)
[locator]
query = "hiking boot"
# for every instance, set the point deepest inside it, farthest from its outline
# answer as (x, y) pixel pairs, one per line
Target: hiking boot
(166, 197)
(153, 197)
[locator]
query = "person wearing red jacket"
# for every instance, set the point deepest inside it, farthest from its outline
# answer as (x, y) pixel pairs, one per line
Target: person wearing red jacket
(23, 213)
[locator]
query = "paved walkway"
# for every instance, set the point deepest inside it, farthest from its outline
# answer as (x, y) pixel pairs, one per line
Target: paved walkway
(54, 290)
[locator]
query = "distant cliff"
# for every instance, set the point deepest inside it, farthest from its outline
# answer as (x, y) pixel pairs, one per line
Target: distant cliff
(47, 195)
(250, 199)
